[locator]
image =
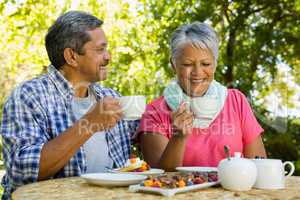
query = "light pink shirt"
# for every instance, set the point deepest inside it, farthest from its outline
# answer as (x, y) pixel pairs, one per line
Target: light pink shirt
(235, 126)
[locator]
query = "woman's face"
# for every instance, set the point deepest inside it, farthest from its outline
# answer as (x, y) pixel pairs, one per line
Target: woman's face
(195, 69)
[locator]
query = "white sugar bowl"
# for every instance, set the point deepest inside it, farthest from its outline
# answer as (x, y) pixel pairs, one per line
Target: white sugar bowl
(237, 174)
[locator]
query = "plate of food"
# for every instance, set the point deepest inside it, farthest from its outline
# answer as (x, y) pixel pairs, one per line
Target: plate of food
(137, 166)
(170, 184)
(110, 179)
(197, 169)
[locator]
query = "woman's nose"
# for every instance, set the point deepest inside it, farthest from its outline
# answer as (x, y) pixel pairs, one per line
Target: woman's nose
(197, 69)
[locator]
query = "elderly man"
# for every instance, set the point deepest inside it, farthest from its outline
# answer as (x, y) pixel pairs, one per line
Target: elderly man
(62, 123)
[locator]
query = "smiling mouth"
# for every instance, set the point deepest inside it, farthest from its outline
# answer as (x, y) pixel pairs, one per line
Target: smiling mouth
(102, 67)
(198, 80)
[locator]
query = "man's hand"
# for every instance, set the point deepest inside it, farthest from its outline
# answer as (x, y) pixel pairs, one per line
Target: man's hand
(58, 151)
(104, 115)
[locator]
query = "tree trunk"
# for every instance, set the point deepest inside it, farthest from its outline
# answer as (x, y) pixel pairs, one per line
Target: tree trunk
(230, 57)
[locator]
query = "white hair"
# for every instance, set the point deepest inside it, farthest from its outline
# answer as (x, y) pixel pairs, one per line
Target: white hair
(198, 34)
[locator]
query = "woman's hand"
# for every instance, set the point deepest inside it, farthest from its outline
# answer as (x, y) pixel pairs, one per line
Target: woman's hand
(182, 121)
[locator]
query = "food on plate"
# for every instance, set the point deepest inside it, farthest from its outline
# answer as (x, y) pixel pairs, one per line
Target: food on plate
(135, 165)
(180, 180)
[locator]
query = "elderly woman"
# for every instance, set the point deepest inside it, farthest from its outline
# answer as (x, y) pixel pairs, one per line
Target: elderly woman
(196, 116)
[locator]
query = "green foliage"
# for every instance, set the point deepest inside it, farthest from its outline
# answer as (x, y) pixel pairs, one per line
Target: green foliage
(255, 36)
(284, 146)
(281, 139)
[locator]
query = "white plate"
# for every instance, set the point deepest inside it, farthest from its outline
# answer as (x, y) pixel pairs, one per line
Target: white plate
(197, 169)
(170, 192)
(111, 179)
(152, 171)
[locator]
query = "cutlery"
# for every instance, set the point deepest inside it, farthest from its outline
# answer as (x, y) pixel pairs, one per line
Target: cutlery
(227, 151)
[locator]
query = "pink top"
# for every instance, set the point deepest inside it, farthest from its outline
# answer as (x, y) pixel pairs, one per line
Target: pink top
(235, 126)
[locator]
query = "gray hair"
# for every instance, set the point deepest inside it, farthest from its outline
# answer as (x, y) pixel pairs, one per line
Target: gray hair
(198, 34)
(69, 31)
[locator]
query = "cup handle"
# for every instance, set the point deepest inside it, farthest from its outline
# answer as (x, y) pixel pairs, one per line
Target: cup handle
(292, 168)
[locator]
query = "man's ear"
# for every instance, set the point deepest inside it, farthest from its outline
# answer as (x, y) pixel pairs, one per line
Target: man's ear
(70, 57)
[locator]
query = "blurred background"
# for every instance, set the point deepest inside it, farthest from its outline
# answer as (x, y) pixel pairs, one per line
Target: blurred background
(259, 52)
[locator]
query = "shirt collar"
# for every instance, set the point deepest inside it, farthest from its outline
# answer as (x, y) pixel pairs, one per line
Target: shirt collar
(62, 84)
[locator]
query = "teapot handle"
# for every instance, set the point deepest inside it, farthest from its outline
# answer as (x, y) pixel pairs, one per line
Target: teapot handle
(292, 168)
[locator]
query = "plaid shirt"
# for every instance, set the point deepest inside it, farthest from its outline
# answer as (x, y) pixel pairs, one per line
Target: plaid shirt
(38, 111)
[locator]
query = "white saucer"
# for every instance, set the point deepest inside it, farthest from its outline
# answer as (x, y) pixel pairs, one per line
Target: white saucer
(113, 179)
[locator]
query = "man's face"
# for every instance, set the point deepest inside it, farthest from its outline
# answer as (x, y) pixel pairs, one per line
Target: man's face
(92, 64)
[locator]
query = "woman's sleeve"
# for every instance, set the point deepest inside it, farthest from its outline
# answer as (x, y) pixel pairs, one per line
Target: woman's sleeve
(251, 129)
(155, 120)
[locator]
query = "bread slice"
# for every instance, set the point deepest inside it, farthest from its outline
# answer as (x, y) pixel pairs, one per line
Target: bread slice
(128, 169)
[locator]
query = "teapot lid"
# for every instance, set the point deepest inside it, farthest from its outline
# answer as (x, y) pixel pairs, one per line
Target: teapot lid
(236, 160)
(237, 154)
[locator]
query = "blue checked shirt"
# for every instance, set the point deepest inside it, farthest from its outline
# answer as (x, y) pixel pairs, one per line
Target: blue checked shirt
(38, 111)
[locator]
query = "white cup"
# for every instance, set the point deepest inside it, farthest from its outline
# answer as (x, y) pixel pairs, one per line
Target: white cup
(203, 107)
(271, 173)
(133, 106)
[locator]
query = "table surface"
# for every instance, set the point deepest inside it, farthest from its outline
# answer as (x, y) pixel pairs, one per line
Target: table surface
(76, 188)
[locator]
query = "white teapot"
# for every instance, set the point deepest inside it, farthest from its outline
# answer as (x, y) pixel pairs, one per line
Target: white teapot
(236, 173)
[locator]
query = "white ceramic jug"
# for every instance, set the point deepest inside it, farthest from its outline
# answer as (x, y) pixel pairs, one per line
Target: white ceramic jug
(271, 173)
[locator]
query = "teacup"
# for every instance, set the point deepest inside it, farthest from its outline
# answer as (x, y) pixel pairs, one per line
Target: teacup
(133, 106)
(200, 111)
(271, 173)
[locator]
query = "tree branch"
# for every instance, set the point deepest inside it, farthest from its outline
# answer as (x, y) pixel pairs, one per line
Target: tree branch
(225, 10)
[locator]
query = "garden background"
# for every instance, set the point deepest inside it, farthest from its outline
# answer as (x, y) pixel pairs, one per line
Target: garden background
(259, 52)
